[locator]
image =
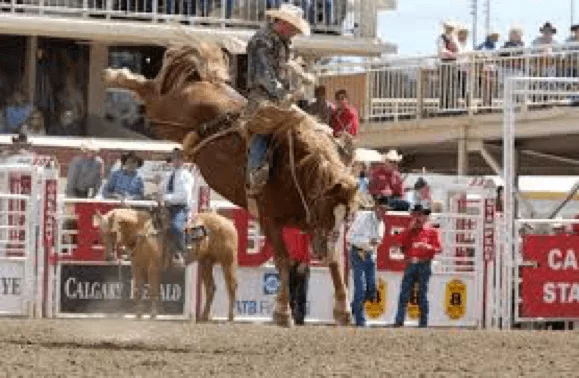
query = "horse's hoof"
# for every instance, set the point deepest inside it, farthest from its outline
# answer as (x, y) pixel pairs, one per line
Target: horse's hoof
(282, 319)
(342, 318)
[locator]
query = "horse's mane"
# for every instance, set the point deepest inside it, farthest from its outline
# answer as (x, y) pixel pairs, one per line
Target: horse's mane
(183, 64)
(137, 219)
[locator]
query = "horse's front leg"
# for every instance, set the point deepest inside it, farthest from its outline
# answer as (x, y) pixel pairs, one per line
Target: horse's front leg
(123, 78)
(281, 313)
(342, 314)
(154, 275)
(139, 281)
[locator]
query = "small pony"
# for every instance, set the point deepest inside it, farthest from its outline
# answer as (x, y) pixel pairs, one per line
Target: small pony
(211, 238)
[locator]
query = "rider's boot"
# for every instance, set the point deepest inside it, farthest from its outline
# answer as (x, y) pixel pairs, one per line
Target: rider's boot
(256, 180)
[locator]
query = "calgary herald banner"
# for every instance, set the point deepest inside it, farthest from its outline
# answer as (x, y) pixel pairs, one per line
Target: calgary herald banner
(551, 289)
(108, 289)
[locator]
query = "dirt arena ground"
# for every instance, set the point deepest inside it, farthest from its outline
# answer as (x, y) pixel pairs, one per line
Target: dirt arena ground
(123, 348)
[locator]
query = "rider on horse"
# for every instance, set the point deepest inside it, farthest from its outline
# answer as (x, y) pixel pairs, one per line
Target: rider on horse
(268, 53)
(176, 195)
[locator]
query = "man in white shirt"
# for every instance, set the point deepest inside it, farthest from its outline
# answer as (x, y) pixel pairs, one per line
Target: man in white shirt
(176, 195)
(363, 238)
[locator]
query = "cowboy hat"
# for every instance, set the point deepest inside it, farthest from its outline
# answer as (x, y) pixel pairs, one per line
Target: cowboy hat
(418, 208)
(393, 156)
(574, 27)
(291, 14)
(460, 28)
(449, 24)
(89, 145)
(548, 26)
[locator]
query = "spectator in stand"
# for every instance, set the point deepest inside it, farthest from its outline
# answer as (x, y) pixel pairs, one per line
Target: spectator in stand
(515, 40)
(35, 124)
(386, 183)
(419, 243)
(177, 195)
(463, 60)
(447, 47)
(126, 183)
(16, 113)
(547, 36)
(321, 108)
(573, 38)
(363, 237)
(344, 117)
(85, 173)
(299, 276)
(490, 43)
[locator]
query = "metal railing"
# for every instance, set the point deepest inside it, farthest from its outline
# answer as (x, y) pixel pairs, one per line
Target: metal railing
(399, 89)
(330, 16)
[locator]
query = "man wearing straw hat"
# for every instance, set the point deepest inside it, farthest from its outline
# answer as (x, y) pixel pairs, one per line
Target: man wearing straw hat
(268, 54)
(386, 184)
(363, 237)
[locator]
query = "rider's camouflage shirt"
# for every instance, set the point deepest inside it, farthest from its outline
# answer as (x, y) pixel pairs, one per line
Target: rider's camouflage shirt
(267, 54)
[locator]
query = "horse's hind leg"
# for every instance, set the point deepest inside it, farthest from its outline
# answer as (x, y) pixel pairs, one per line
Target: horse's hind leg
(229, 273)
(206, 271)
(281, 314)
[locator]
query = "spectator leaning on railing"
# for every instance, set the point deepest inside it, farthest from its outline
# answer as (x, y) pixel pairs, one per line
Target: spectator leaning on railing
(344, 117)
(126, 182)
(320, 108)
(85, 173)
(386, 185)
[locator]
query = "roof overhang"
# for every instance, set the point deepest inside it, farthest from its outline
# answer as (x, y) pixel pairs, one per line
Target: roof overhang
(117, 32)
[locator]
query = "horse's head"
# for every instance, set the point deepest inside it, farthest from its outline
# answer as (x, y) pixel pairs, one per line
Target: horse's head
(110, 233)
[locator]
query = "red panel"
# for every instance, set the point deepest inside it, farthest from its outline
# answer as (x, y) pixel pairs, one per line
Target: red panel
(552, 289)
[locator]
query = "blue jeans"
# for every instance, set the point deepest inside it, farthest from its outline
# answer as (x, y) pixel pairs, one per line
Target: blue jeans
(179, 217)
(257, 150)
(364, 275)
(419, 272)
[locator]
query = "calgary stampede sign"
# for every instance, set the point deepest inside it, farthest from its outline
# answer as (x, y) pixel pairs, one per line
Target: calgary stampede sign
(108, 289)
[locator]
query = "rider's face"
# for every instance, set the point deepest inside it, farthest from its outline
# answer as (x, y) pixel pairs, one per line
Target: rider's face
(285, 29)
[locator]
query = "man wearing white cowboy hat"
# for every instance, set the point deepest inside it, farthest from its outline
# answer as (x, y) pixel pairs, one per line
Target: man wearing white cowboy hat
(268, 53)
(386, 183)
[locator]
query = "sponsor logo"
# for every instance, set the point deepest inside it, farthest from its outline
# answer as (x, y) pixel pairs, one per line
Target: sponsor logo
(270, 283)
(455, 299)
(102, 289)
(376, 309)
(413, 308)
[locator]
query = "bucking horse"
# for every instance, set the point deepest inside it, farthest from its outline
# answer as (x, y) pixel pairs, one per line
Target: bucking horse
(311, 188)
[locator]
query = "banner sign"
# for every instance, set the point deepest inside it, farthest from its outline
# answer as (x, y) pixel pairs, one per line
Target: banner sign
(13, 288)
(551, 289)
(108, 289)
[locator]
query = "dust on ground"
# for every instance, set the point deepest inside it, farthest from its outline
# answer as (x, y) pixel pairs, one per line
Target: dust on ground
(123, 348)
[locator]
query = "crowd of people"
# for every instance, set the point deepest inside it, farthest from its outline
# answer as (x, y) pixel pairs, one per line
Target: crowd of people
(547, 58)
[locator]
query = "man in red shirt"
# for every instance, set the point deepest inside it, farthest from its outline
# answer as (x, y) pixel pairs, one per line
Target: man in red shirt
(386, 183)
(299, 274)
(419, 243)
(344, 117)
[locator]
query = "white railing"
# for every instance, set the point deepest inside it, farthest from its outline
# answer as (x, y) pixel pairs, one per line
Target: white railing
(333, 16)
(414, 88)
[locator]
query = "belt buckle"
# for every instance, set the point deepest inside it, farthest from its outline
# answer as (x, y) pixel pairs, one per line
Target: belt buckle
(414, 260)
